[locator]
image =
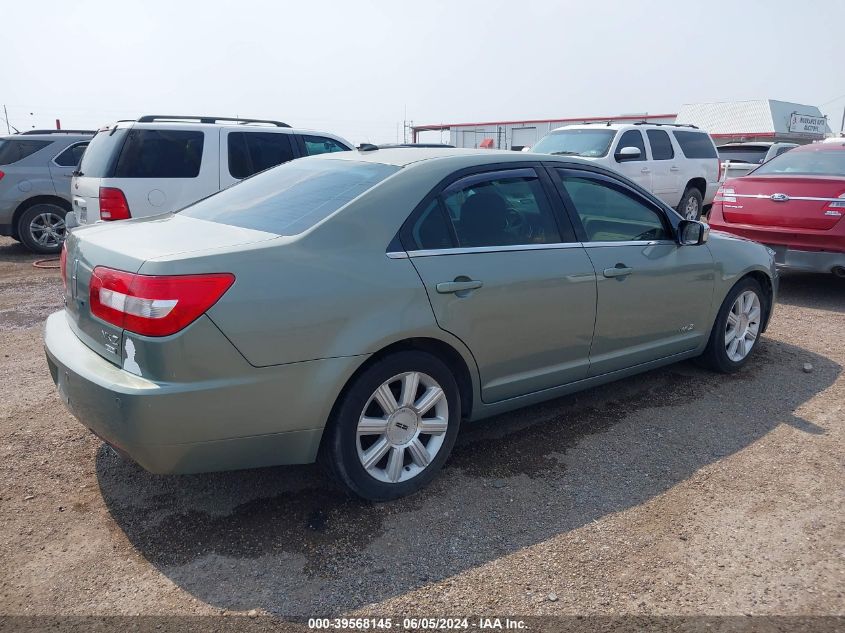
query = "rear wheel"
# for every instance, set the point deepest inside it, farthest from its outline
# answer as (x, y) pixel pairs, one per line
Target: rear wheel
(691, 204)
(394, 428)
(41, 228)
(738, 327)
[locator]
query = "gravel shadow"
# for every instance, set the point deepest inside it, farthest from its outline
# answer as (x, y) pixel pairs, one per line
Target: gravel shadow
(287, 541)
(822, 292)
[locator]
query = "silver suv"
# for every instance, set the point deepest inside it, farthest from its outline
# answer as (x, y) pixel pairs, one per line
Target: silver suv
(35, 172)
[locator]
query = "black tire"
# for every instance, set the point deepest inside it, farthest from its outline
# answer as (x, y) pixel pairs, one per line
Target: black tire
(715, 355)
(49, 241)
(691, 195)
(339, 449)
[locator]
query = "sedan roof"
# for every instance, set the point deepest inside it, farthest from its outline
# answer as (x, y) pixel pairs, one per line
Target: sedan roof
(403, 156)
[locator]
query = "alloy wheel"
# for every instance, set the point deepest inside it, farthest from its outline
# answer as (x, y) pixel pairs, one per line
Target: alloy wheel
(743, 325)
(402, 427)
(48, 229)
(691, 210)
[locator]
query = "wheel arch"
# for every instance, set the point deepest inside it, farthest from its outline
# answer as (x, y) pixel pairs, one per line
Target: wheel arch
(697, 183)
(30, 202)
(767, 285)
(440, 349)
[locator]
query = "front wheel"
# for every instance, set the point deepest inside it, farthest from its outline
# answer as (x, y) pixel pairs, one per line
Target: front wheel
(737, 329)
(394, 428)
(41, 228)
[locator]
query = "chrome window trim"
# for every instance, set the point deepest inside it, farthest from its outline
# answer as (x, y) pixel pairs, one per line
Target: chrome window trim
(631, 243)
(763, 196)
(489, 249)
(67, 147)
(520, 247)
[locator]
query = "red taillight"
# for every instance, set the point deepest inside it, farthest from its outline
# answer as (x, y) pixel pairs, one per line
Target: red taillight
(154, 305)
(63, 265)
(2, 174)
(113, 205)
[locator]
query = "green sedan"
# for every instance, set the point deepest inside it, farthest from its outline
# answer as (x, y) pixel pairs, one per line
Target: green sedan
(355, 308)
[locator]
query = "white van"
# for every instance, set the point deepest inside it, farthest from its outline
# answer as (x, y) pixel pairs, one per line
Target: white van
(677, 163)
(160, 164)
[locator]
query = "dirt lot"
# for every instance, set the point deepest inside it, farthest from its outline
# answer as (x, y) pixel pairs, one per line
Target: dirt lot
(675, 492)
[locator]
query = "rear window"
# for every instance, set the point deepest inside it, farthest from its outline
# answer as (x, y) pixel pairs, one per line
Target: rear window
(160, 154)
(101, 153)
(252, 152)
(808, 163)
(291, 198)
(13, 150)
(695, 144)
(743, 154)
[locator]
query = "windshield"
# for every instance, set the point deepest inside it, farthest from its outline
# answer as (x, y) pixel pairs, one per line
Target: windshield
(810, 163)
(587, 143)
(290, 198)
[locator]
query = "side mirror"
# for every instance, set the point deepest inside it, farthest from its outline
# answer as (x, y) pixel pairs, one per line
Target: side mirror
(627, 153)
(693, 232)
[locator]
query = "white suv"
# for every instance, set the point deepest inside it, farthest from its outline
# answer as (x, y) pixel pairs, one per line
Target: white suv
(160, 164)
(677, 163)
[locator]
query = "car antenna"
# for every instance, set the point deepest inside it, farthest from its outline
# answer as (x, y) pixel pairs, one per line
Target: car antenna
(367, 147)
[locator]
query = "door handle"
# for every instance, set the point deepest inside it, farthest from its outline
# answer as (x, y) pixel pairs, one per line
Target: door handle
(674, 168)
(645, 170)
(457, 286)
(620, 270)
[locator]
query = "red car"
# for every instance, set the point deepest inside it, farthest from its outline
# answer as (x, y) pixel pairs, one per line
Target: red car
(795, 204)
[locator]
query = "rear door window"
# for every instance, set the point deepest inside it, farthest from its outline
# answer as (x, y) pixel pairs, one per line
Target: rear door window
(291, 198)
(661, 145)
(321, 145)
(695, 144)
(252, 152)
(13, 150)
(71, 156)
(160, 154)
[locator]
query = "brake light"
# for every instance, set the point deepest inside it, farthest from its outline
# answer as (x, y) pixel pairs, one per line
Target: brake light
(154, 305)
(2, 174)
(113, 205)
(63, 265)
(725, 194)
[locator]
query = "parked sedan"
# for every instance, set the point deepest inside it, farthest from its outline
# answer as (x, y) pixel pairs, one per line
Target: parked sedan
(357, 307)
(794, 203)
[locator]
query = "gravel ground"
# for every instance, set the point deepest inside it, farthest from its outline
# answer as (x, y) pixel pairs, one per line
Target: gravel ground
(675, 492)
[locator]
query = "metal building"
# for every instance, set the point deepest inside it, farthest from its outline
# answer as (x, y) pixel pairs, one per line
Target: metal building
(760, 120)
(518, 134)
(727, 122)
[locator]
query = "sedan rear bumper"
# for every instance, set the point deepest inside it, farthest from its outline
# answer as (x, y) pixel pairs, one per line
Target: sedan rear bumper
(275, 416)
(806, 261)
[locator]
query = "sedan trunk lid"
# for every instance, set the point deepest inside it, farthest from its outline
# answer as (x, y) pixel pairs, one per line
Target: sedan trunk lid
(125, 246)
(800, 202)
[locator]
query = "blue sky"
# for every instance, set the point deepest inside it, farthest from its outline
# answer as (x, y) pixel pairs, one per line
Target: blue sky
(359, 68)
